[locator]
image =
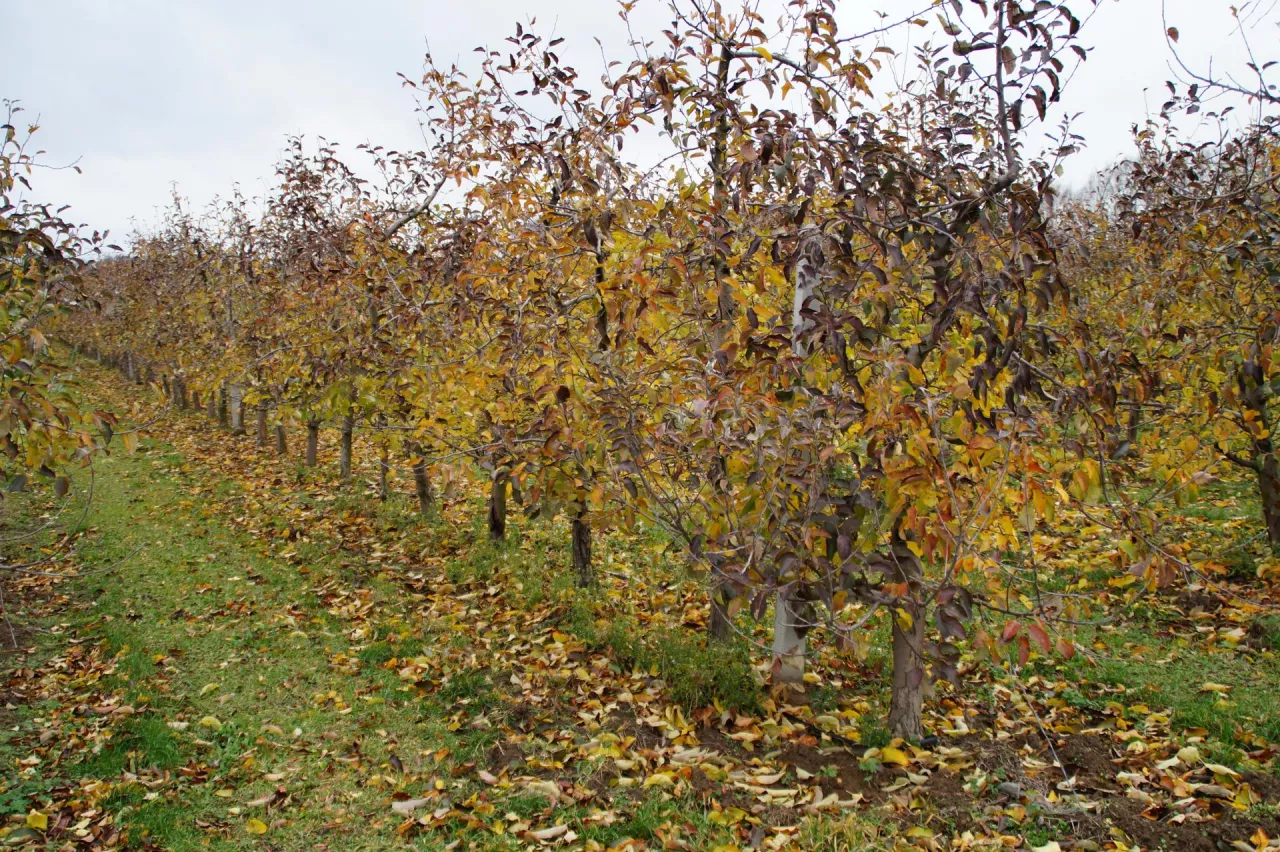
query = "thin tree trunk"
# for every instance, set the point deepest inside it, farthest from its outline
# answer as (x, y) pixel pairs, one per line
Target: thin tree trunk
(1266, 464)
(313, 442)
(211, 406)
(906, 701)
(498, 507)
(282, 446)
(262, 423)
(195, 400)
(344, 447)
(1269, 489)
(788, 641)
(582, 550)
(236, 395)
(421, 481)
(720, 628)
(384, 475)
(179, 393)
(223, 406)
(1135, 424)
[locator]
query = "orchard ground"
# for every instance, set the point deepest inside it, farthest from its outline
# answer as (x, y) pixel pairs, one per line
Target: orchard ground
(243, 652)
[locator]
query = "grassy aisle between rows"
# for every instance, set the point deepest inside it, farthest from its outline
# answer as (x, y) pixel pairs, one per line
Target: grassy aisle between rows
(237, 686)
(201, 690)
(258, 657)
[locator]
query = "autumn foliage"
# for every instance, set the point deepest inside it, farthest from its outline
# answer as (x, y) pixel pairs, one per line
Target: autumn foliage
(846, 349)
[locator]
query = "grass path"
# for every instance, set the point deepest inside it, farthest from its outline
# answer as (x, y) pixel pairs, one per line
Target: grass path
(251, 676)
(255, 657)
(244, 679)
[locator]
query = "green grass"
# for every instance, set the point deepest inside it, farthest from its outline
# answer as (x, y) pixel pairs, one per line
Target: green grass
(200, 622)
(185, 598)
(1138, 667)
(695, 671)
(193, 625)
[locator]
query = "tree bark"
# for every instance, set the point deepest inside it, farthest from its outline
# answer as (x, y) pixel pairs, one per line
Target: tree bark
(195, 400)
(906, 701)
(421, 481)
(720, 628)
(1135, 424)
(344, 447)
(224, 406)
(498, 508)
(384, 476)
(1269, 489)
(313, 442)
(1266, 464)
(788, 641)
(582, 550)
(211, 406)
(237, 403)
(282, 446)
(262, 423)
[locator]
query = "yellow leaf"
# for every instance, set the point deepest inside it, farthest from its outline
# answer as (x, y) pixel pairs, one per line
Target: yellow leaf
(37, 820)
(211, 722)
(255, 826)
(889, 754)
(1219, 769)
(764, 51)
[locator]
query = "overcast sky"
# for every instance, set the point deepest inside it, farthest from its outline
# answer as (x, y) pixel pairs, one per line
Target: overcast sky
(144, 94)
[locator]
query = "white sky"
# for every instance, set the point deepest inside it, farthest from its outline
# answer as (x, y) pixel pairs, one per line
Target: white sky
(149, 93)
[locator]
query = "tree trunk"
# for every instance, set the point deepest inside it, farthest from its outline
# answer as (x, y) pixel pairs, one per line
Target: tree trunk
(211, 406)
(179, 393)
(222, 406)
(313, 442)
(384, 476)
(262, 423)
(720, 628)
(1269, 488)
(344, 447)
(1135, 424)
(282, 446)
(195, 400)
(236, 397)
(906, 701)
(582, 550)
(788, 641)
(421, 481)
(498, 508)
